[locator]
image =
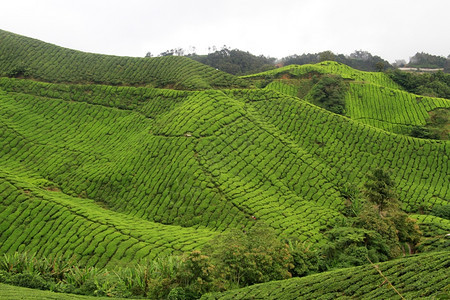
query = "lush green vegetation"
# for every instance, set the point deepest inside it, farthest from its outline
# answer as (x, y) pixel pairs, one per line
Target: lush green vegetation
(360, 60)
(394, 110)
(233, 259)
(112, 175)
(325, 67)
(24, 57)
(329, 93)
(293, 186)
(366, 98)
(432, 85)
(19, 293)
(425, 60)
(416, 277)
(235, 61)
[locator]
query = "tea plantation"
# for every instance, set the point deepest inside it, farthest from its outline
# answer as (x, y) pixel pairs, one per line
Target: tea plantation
(25, 57)
(111, 160)
(416, 277)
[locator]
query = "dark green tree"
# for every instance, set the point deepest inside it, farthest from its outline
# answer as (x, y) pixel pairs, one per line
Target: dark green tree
(245, 258)
(327, 55)
(329, 93)
(379, 189)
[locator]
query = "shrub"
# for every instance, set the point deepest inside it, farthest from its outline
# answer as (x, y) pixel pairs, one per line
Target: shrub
(329, 93)
(244, 258)
(442, 211)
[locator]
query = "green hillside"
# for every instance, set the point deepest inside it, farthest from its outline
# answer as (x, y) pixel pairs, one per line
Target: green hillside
(371, 98)
(390, 109)
(19, 293)
(326, 67)
(98, 164)
(206, 160)
(416, 277)
(38, 218)
(25, 57)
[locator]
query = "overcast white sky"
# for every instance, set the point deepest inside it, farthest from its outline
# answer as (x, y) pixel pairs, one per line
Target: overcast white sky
(392, 29)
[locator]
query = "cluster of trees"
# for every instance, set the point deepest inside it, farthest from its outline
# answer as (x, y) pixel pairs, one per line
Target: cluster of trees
(329, 93)
(425, 60)
(428, 84)
(361, 60)
(236, 61)
(436, 126)
(374, 228)
(233, 61)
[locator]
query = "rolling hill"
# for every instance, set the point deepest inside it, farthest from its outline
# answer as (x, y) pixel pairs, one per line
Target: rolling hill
(417, 277)
(371, 98)
(25, 57)
(112, 159)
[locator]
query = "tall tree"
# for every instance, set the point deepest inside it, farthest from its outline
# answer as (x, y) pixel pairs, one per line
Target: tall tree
(379, 189)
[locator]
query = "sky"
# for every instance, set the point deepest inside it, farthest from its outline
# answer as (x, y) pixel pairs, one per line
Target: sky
(392, 29)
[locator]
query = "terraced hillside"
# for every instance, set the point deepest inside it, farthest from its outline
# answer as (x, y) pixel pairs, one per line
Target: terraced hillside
(113, 174)
(205, 160)
(19, 293)
(390, 109)
(371, 98)
(326, 67)
(25, 57)
(417, 277)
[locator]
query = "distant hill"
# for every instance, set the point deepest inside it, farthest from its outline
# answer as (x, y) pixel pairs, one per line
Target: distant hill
(371, 98)
(326, 67)
(360, 60)
(25, 57)
(235, 61)
(428, 61)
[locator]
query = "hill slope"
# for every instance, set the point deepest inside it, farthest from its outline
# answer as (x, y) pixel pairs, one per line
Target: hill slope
(371, 98)
(25, 57)
(19, 293)
(416, 277)
(326, 67)
(204, 160)
(112, 174)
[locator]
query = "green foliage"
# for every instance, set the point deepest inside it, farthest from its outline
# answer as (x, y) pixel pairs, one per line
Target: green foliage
(360, 60)
(432, 85)
(415, 277)
(350, 246)
(407, 229)
(438, 123)
(306, 261)
(47, 62)
(21, 70)
(111, 175)
(197, 276)
(423, 133)
(329, 93)
(377, 229)
(245, 258)
(235, 61)
(327, 68)
(379, 189)
(442, 211)
(394, 110)
(425, 60)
